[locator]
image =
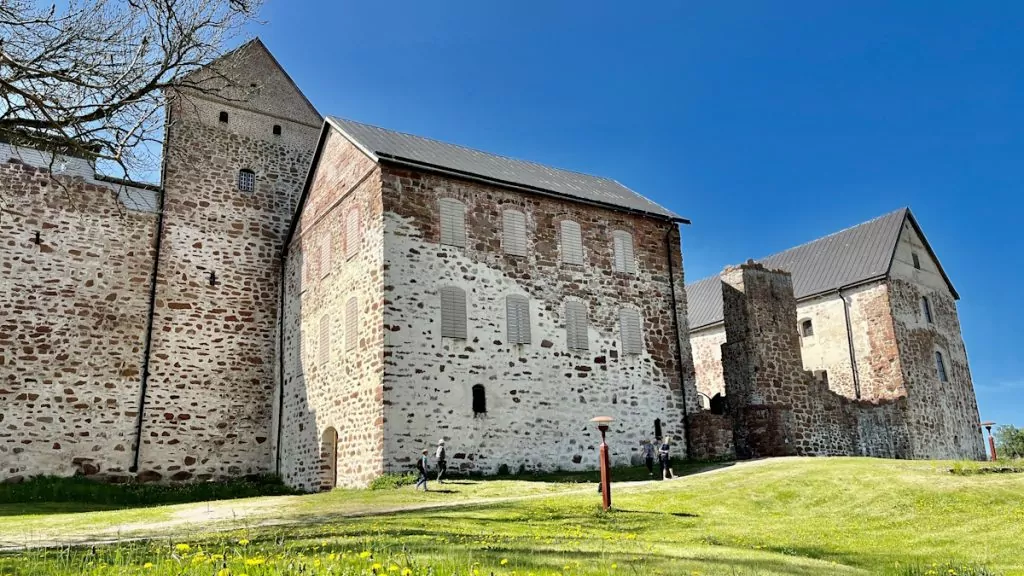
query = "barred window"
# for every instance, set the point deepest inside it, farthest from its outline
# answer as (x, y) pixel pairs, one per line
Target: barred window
(352, 233)
(625, 259)
(325, 339)
(453, 312)
(631, 330)
(576, 326)
(352, 323)
(453, 222)
(572, 242)
(246, 180)
(514, 232)
(517, 309)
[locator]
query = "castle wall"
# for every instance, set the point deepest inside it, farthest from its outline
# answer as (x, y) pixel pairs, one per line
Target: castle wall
(944, 415)
(333, 383)
(539, 396)
(208, 410)
(73, 314)
(707, 359)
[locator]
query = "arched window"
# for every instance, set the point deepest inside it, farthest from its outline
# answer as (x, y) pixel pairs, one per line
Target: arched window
(453, 312)
(572, 242)
(223, 117)
(926, 309)
(329, 459)
(657, 427)
(940, 367)
(479, 400)
(513, 230)
(625, 260)
(577, 326)
(453, 222)
(806, 329)
(517, 316)
(631, 331)
(277, 129)
(353, 234)
(246, 180)
(352, 323)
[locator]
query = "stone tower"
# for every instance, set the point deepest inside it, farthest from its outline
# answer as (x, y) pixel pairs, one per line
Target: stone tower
(234, 166)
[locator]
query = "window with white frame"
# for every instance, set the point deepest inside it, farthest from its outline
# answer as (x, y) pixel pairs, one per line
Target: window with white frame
(572, 242)
(940, 367)
(453, 312)
(576, 326)
(325, 339)
(353, 234)
(453, 222)
(514, 232)
(625, 259)
(352, 323)
(631, 329)
(246, 180)
(517, 313)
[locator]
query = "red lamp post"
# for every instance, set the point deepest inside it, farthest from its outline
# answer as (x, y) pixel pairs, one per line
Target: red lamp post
(991, 441)
(606, 473)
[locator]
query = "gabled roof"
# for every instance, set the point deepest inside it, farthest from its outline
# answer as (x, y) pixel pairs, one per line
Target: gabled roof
(428, 154)
(844, 259)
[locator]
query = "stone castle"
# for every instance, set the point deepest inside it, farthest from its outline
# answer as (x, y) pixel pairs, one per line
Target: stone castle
(321, 299)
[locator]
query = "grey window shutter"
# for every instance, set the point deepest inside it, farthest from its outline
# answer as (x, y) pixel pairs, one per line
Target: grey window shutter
(325, 338)
(514, 232)
(625, 258)
(576, 326)
(352, 233)
(352, 323)
(572, 242)
(453, 222)
(453, 312)
(518, 317)
(631, 330)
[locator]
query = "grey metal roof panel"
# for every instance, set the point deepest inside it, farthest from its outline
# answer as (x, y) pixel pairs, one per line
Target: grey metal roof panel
(388, 143)
(841, 259)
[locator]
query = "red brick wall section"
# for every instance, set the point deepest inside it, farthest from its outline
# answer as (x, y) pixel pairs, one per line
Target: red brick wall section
(340, 388)
(72, 319)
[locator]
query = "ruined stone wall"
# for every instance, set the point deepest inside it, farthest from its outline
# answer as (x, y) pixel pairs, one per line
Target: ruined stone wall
(333, 381)
(943, 415)
(539, 396)
(707, 360)
(73, 311)
(208, 410)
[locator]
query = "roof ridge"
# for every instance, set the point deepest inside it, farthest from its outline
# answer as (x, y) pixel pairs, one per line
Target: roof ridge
(505, 156)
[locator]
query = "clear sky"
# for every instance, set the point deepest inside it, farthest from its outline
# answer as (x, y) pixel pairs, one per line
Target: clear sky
(766, 124)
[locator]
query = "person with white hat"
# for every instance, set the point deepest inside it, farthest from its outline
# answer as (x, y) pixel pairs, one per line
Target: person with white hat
(442, 460)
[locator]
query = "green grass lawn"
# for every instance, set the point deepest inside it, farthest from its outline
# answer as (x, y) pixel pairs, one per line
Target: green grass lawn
(789, 516)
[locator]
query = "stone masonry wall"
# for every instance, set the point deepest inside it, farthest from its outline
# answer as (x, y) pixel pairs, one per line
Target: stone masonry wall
(334, 385)
(208, 410)
(539, 396)
(707, 360)
(73, 313)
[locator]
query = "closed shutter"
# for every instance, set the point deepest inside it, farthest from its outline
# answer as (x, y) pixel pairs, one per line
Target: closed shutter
(576, 326)
(572, 243)
(453, 222)
(517, 311)
(352, 233)
(514, 229)
(325, 338)
(453, 312)
(325, 255)
(352, 323)
(631, 331)
(314, 266)
(625, 259)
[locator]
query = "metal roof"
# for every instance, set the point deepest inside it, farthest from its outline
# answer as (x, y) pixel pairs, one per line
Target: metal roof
(427, 153)
(845, 258)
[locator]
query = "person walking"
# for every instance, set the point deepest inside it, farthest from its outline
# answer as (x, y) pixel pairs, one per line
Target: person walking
(647, 450)
(442, 460)
(663, 456)
(421, 465)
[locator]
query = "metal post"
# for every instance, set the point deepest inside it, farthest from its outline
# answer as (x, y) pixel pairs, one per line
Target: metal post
(606, 477)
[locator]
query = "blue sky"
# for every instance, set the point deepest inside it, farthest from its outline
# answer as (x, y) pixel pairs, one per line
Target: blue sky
(766, 124)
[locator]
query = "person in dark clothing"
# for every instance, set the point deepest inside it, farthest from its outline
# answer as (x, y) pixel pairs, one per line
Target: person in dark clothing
(647, 451)
(442, 460)
(663, 457)
(421, 465)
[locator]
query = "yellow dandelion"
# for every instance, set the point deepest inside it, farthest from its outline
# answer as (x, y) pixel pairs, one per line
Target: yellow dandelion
(364, 554)
(148, 565)
(224, 572)
(406, 572)
(257, 561)
(243, 542)
(377, 567)
(182, 547)
(504, 561)
(615, 566)
(393, 568)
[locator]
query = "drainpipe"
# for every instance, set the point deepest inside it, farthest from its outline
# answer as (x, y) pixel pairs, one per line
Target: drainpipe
(849, 341)
(679, 341)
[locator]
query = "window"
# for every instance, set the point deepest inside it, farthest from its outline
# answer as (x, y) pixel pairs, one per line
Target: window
(352, 323)
(314, 265)
(806, 329)
(352, 233)
(940, 367)
(453, 222)
(246, 180)
(277, 129)
(325, 256)
(926, 309)
(223, 117)
(453, 312)
(625, 260)
(325, 339)
(572, 243)
(479, 400)
(917, 261)
(518, 318)
(657, 428)
(576, 326)
(632, 335)
(514, 232)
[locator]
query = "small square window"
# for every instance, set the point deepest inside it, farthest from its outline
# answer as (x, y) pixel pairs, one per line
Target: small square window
(223, 117)
(246, 180)
(806, 329)
(277, 129)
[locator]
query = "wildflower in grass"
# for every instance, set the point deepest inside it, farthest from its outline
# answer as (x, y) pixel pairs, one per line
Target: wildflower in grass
(364, 554)
(407, 572)
(257, 561)
(504, 561)
(224, 572)
(243, 542)
(182, 547)
(615, 566)
(393, 568)
(377, 567)
(148, 565)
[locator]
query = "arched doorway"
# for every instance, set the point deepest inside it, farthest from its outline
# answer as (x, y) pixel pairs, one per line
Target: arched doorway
(329, 460)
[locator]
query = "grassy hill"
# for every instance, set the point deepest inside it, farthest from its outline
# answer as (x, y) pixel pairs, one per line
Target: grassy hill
(786, 516)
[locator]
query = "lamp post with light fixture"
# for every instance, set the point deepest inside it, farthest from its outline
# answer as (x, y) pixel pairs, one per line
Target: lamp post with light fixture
(991, 441)
(606, 473)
